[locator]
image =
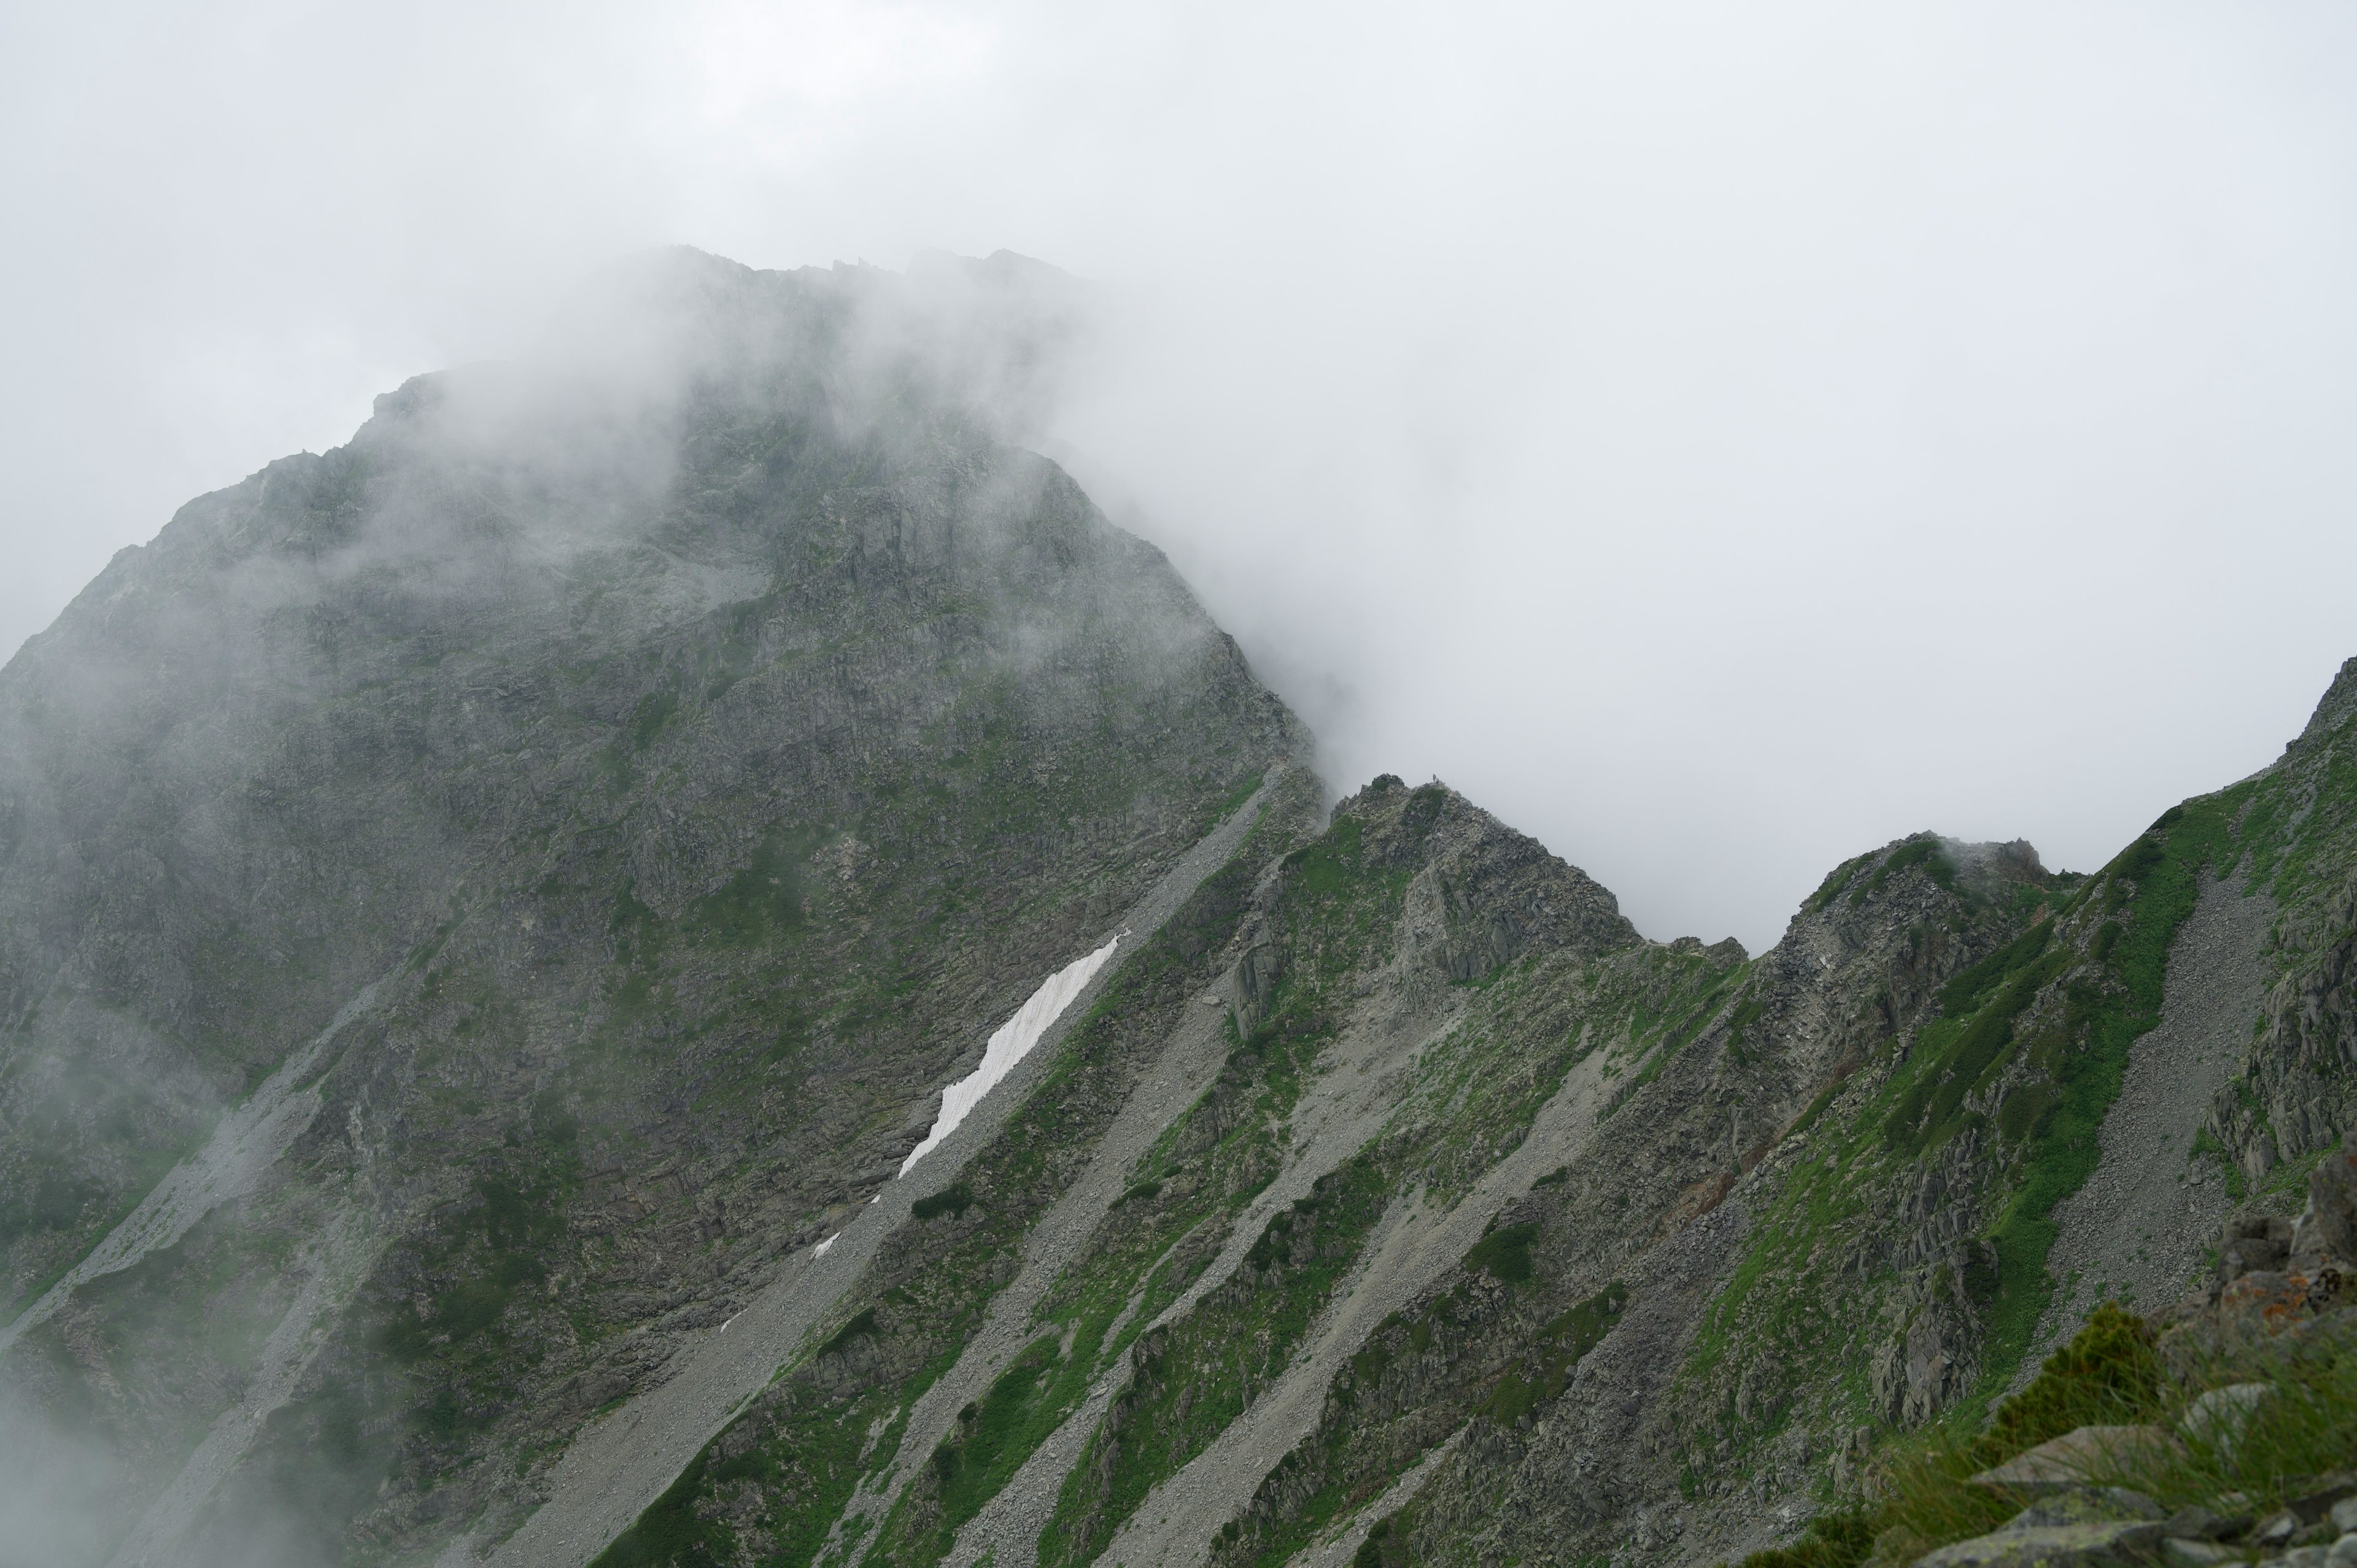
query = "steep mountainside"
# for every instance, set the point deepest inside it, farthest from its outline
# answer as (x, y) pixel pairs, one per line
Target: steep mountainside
(1576, 1248)
(554, 848)
(489, 914)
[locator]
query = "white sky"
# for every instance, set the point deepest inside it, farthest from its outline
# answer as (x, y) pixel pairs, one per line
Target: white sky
(1718, 438)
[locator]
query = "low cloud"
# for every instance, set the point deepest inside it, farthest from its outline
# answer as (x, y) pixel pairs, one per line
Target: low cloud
(1718, 440)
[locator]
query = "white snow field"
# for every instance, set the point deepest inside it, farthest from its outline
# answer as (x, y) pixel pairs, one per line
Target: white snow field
(1011, 1044)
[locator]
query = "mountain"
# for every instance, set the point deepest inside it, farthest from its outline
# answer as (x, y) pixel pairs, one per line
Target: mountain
(681, 955)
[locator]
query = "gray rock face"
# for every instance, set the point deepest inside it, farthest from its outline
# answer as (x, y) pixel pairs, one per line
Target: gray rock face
(2294, 1094)
(2136, 1232)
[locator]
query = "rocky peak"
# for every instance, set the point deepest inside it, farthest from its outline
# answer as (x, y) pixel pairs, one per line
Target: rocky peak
(1504, 892)
(2334, 709)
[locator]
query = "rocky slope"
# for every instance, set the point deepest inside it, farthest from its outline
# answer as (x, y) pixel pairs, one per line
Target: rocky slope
(485, 912)
(663, 777)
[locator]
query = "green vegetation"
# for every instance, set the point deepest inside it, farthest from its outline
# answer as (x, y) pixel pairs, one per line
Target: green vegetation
(992, 1437)
(861, 1325)
(1954, 1061)
(490, 1255)
(762, 901)
(1746, 1013)
(1836, 880)
(1842, 1538)
(2110, 1374)
(1965, 992)
(952, 1200)
(2103, 1016)
(1504, 1254)
(1238, 796)
(1204, 1169)
(1340, 906)
(1568, 1335)
(648, 720)
(1659, 1002)
(1346, 1465)
(1196, 1376)
(1386, 1545)
(1925, 849)
(1328, 867)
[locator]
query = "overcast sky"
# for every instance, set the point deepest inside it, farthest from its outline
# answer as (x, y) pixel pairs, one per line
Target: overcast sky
(1718, 438)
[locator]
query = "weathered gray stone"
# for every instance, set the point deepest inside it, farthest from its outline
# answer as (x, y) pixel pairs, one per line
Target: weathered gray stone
(2218, 1418)
(2320, 1495)
(2250, 1243)
(2075, 1458)
(2088, 1505)
(2199, 1523)
(2053, 1546)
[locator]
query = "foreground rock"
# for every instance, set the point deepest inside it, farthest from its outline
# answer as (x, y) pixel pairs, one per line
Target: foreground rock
(2112, 1545)
(2077, 1458)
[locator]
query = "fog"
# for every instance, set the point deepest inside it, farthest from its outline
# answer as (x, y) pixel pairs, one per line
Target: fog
(1717, 438)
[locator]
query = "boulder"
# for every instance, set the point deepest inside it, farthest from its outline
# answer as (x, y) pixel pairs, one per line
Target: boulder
(2088, 1505)
(2316, 1499)
(2217, 1418)
(2119, 1542)
(2252, 1243)
(2069, 1461)
(2265, 1301)
(2199, 1523)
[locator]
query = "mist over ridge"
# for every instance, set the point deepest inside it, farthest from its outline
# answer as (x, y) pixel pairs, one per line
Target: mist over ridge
(1497, 787)
(683, 952)
(1618, 416)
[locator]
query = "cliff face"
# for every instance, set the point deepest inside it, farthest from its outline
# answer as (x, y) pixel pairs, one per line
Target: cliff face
(486, 913)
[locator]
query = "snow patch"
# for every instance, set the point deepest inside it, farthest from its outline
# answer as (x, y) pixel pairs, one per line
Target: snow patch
(819, 1251)
(1011, 1044)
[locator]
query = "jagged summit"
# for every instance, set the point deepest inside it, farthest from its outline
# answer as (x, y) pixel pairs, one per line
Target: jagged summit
(2333, 710)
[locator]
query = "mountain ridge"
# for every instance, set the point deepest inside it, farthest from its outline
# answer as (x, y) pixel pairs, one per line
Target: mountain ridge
(531, 871)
